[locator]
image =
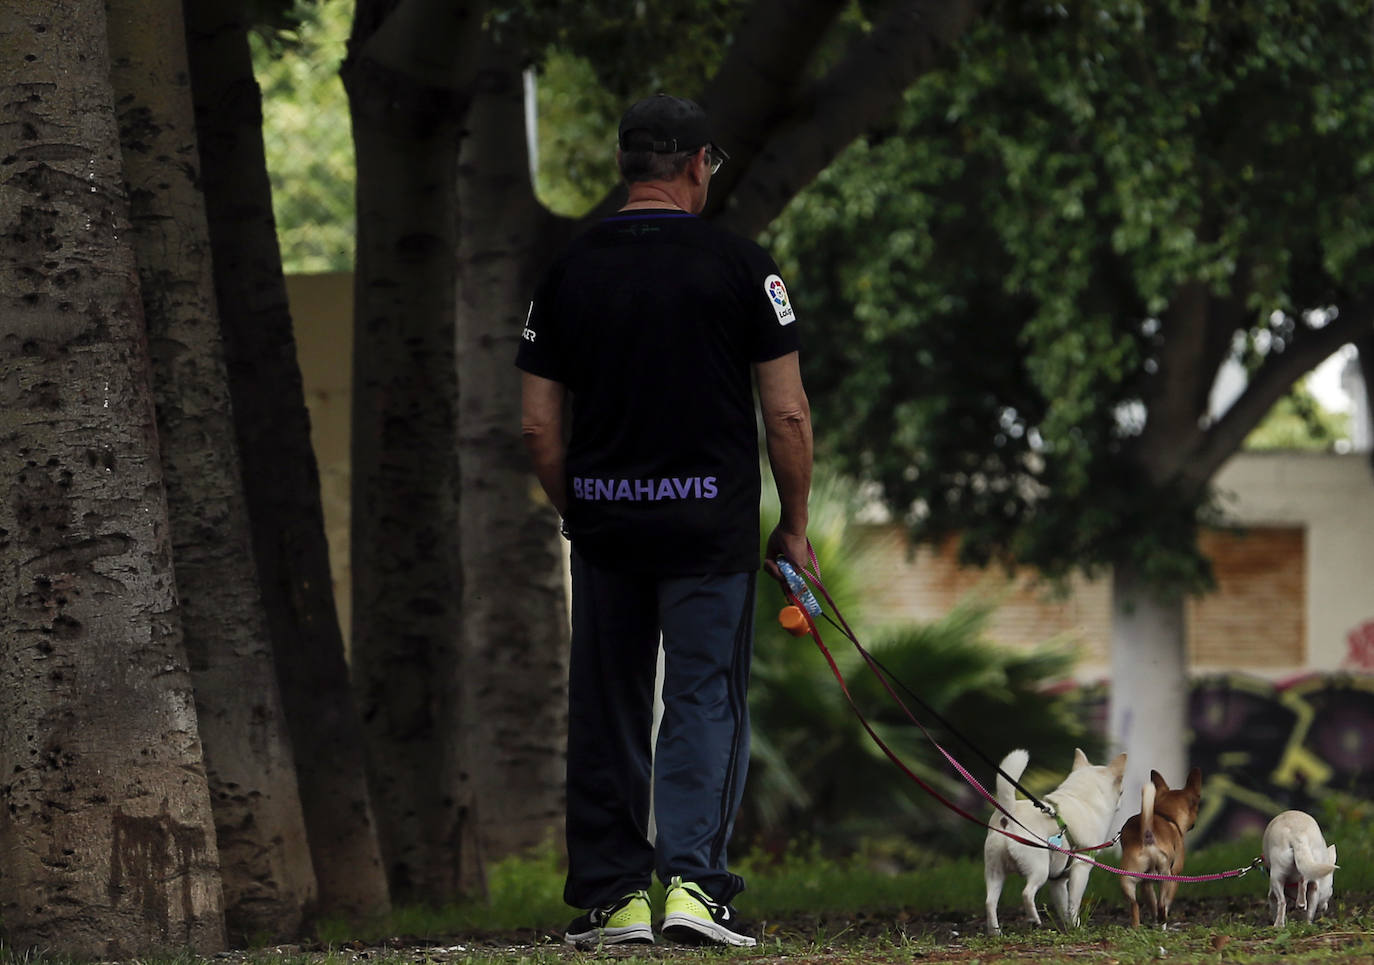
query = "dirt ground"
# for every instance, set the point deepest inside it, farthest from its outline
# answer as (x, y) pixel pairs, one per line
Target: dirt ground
(949, 937)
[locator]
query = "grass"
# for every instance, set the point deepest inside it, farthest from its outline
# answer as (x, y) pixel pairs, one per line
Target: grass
(812, 907)
(842, 909)
(838, 910)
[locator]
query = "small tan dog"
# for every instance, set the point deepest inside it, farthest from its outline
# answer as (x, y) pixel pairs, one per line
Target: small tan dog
(1152, 841)
(1296, 854)
(1085, 802)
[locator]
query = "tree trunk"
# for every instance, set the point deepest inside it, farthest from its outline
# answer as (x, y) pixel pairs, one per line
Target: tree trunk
(281, 479)
(514, 706)
(107, 846)
(405, 579)
(265, 866)
(1149, 695)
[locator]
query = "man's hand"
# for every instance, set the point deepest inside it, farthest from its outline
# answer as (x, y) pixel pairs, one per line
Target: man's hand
(793, 546)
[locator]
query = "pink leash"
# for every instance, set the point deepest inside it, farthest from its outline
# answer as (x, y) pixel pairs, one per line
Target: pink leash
(814, 574)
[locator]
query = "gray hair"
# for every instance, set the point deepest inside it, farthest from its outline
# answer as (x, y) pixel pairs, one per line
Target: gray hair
(650, 166)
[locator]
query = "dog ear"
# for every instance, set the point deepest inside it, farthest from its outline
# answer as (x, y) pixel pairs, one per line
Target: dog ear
(1157, 779)
(1118, 765)
(1195, 780)
(1079, 759)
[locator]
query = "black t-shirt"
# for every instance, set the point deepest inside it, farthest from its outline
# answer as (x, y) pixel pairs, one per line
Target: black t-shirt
(652, 319)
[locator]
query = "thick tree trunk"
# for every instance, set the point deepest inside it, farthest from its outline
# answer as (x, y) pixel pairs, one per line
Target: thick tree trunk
(280, 474)
(1149, 696)
(514, 618)
(269, 882)
(107, 846)
(405, 578)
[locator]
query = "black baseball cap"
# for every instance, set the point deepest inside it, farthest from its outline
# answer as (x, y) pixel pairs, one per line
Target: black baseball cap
(665, 125)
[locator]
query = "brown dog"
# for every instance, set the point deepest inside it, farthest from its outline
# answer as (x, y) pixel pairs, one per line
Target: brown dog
(1152, 841)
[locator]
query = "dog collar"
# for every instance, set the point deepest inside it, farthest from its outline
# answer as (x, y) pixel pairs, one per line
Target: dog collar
(1062, 839)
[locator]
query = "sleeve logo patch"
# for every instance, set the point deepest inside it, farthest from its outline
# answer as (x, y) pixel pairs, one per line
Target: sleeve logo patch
(777, 297)
(528, 333)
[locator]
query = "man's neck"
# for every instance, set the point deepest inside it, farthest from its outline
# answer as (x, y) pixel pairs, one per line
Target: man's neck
(657, 194)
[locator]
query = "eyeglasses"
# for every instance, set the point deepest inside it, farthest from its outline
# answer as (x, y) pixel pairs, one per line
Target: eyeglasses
(715, 157)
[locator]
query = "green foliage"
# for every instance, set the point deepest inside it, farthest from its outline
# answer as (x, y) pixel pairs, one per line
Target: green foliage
(985, 281)
(632, 48)
(803, 877)
(840, 786)
(577, 135)
(1298, 421)
(814, 769)
(307, 139)
(524, 890)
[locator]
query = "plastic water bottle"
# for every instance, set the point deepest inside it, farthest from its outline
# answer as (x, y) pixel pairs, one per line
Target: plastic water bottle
(799, 588)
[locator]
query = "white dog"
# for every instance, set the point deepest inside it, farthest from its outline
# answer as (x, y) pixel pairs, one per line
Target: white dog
(1085, 802)
(1295, 853)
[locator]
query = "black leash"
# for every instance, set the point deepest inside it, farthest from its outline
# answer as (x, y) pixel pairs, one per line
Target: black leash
(803, 621)
(798, 593)
(804, 602)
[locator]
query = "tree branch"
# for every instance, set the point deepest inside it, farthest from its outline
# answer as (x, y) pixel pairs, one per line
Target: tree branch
(758, 80)
(1267, 386)
(857, 94)
(433, 42)
(755, 85)
(1198, 331)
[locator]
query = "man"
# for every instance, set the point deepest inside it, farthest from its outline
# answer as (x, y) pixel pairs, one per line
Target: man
(653, 322)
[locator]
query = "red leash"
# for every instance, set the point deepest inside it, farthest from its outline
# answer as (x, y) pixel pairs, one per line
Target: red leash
(803, 602)
(802, 621)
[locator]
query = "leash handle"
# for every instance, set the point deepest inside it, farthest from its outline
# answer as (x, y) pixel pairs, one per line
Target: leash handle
(798, 588)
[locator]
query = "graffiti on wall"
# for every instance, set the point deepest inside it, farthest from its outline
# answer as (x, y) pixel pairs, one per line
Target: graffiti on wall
(1360, 647)
(1264, 747)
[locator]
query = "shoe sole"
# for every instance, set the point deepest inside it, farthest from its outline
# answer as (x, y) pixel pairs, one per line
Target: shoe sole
(627, 935)
(690, 930)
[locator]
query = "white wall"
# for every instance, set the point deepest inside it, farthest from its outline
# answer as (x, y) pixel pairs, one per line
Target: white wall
(1333, 496)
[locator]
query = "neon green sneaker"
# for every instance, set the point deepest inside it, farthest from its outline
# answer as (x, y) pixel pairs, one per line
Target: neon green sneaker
(626, 920)
(692, 917)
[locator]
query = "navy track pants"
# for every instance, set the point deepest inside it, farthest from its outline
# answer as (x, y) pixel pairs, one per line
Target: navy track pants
(702, 755)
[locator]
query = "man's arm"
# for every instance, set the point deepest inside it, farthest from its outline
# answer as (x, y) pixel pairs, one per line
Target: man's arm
(541, 426)
(787, 428)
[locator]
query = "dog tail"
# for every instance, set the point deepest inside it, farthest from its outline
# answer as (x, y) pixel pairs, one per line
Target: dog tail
(1310, 867)
(1147, 813)
(1013, 766)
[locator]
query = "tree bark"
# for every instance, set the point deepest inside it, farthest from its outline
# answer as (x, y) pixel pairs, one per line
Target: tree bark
(804, 130)
(511, 764)
(1148, 705)
(280, 474)
(269, 882)
(1364, 345)
(406, 583)
(107, 845)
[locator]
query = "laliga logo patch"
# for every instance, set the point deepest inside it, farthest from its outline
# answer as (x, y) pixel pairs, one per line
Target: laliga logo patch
(777, 297)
